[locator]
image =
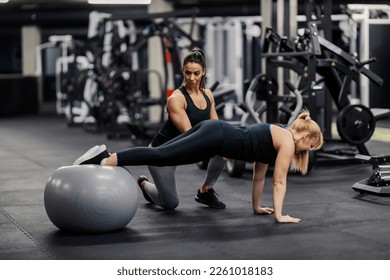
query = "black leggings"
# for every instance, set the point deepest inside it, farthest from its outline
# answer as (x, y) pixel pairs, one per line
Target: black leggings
(201, 142)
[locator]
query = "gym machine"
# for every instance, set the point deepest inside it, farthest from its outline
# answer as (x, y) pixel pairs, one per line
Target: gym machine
(311, 56)
(102, 83)
(379, 182)
(68, 66)
(236, 38)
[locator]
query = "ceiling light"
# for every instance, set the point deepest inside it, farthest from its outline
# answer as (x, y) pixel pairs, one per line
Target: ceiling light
(3, 1)
(124, 2)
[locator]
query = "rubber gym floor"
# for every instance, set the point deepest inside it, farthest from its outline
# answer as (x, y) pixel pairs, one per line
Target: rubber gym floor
(337, 222)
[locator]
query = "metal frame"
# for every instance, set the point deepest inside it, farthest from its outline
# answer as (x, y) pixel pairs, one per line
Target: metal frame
(361, 16)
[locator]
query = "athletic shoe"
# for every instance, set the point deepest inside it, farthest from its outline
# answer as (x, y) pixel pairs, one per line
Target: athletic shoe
(210, 198)
(93, 156)
(140, 179)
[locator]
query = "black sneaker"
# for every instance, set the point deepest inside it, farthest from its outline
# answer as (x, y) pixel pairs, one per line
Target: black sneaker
(93, 156)
(140, 179)
(210, 198)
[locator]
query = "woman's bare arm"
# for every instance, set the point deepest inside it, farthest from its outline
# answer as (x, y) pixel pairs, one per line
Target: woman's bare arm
(176, 107)
(259, 171)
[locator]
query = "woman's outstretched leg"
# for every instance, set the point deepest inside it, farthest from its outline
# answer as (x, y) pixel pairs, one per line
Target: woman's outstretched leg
(200, 142)
(203, 141)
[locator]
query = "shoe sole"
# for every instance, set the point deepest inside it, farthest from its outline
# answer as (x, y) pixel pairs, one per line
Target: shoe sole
(90, 154)
(140, 179)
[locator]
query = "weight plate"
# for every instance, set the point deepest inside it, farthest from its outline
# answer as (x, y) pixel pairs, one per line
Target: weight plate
(355, 124)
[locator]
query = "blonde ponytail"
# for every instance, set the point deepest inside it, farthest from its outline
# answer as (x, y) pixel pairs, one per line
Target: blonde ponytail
(304, 123)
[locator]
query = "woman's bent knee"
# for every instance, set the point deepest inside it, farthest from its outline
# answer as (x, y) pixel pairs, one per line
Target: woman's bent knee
(170, 205)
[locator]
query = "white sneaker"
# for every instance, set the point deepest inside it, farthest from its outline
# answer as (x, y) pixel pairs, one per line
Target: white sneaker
(93, 156)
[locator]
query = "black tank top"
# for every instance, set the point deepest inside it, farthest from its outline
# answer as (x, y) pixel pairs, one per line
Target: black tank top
(249, 143)
(195, 115)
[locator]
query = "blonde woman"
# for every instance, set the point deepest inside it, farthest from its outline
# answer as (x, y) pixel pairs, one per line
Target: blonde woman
(261, 143)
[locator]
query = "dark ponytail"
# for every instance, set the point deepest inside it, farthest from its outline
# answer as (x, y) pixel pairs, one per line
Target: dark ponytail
(197, 56)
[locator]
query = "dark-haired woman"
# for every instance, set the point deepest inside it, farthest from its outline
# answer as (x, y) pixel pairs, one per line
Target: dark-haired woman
(188, 105)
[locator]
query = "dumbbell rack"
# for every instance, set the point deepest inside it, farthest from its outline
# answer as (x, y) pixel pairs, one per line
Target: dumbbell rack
(379, 182)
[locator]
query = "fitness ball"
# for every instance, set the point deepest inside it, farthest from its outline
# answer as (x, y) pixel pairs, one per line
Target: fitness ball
(91, 198)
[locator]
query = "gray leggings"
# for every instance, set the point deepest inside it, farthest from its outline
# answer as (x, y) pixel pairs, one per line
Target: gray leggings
(164, 191)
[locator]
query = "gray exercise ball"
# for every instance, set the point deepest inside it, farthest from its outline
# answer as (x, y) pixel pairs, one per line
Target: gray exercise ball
(91, 198)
